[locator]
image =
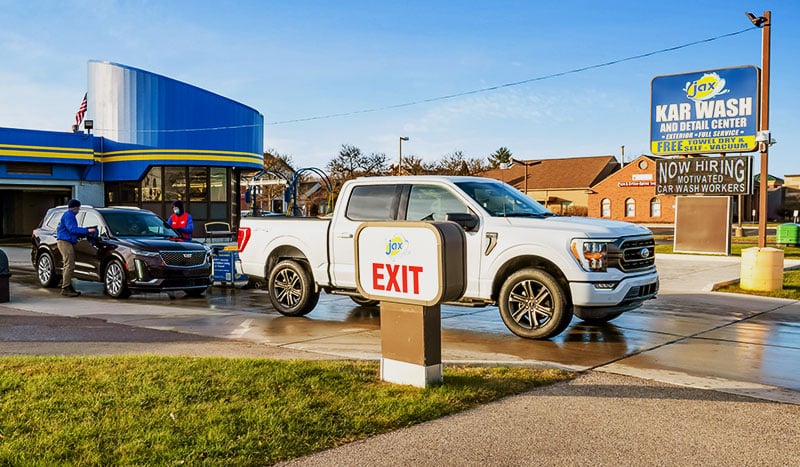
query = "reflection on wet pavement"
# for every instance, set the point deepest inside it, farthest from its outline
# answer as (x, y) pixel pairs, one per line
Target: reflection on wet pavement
(679, 336)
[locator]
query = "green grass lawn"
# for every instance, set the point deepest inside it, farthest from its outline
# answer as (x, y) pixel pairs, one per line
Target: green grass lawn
(135, 410)
(737, 245)
(791, 287)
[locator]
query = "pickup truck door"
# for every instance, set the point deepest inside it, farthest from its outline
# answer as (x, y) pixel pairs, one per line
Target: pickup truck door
(433, 203)
(365, 203)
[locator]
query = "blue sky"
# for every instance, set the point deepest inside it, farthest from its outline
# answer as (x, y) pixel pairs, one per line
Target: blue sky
(298, 60)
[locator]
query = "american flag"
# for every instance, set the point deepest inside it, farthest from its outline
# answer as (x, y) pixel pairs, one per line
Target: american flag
(81, 111)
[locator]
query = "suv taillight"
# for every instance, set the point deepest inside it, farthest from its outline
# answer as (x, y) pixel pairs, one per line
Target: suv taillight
(242, 237)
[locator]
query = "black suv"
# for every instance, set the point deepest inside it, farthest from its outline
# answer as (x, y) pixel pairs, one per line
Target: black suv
(134, 251)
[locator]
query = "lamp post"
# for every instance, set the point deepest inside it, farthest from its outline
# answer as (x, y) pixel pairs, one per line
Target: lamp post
(763, 22)
(526, 164)
(400, 159)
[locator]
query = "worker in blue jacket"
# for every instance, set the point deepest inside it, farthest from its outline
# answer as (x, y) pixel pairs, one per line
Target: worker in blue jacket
(67, 235)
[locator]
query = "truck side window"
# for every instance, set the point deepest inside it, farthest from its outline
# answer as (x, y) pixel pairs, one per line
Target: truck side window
(371, 203)
(432, 203)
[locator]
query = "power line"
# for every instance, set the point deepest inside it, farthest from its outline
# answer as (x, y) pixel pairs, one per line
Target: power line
(515, 83)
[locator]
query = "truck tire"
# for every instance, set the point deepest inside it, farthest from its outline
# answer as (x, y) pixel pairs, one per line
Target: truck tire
(596, 318)
(533, 304)
(291, 289)
(361, 301)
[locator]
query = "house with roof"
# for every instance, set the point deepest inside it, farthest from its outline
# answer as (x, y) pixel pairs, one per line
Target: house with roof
(562, 185)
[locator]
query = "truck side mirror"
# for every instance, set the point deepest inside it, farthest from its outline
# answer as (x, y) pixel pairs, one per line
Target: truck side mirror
(466, 220)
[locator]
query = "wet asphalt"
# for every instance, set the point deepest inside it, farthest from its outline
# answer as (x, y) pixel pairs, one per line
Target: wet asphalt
(692, 376)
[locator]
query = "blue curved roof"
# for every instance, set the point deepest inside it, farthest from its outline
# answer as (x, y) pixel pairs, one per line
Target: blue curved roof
(148, 119)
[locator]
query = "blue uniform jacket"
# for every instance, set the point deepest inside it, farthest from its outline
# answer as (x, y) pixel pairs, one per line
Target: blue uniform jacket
(68, 228)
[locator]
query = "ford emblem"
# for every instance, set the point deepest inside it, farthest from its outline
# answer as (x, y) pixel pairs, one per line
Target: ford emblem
(645, 253)
(189, 255)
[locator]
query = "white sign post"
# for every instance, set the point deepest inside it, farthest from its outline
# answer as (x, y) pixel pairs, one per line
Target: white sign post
(411, 267)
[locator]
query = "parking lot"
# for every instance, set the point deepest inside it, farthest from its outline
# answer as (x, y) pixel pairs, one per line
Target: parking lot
(688, 335)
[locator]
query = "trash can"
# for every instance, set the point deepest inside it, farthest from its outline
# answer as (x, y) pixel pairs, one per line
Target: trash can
(787, 234)
(5, 273)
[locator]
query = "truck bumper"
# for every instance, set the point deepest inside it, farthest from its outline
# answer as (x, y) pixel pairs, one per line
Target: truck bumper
(627, 294)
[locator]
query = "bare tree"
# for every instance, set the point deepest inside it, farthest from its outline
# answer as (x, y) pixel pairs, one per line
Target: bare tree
(458, 164)
(352, 163)
(414, 165)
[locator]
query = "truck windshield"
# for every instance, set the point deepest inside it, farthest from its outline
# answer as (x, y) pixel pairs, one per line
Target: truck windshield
(503, 200)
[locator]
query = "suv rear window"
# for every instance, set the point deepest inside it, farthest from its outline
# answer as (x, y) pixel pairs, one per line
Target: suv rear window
(53, 219)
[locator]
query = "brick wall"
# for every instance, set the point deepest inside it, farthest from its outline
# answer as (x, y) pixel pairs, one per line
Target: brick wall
(635, 181)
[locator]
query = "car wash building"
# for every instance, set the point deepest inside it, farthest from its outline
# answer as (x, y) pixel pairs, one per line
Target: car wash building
(147, 140)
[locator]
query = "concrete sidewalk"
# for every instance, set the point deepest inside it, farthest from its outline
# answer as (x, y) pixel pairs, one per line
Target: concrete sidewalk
(596, 419)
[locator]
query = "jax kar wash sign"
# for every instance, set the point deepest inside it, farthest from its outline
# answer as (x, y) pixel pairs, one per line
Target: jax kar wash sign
(713, 111)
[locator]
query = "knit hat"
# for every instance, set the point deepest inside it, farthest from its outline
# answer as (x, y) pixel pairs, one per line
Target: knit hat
(74, 203)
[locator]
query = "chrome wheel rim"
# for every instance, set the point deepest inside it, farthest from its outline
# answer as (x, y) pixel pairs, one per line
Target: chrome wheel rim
(531, 304)
(45, 270)
(287, 286)
(114, 279)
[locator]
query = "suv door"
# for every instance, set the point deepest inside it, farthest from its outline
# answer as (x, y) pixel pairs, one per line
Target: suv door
(87, 252)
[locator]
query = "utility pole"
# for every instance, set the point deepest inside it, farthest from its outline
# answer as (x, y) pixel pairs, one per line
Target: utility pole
(765, 23)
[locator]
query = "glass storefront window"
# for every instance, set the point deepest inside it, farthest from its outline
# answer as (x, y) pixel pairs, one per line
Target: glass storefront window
(219, 184)
(198, 184)
(175, 183)
(151, 185)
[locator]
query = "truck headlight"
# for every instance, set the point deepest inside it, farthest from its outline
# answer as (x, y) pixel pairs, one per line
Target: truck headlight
(592, 255)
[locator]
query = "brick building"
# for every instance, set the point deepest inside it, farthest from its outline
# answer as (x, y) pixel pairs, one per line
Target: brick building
(630, 194)
(561, 185)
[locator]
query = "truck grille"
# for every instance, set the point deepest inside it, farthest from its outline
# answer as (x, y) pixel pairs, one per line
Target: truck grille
(632, 254)
(183, 258)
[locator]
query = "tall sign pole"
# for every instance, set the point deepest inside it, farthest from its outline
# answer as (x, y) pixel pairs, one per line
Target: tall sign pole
(765, 25)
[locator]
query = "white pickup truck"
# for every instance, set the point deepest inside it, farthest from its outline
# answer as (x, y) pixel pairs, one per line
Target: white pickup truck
(539, 268)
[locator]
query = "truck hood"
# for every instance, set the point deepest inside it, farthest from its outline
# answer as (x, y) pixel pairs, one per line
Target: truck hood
(588, 227)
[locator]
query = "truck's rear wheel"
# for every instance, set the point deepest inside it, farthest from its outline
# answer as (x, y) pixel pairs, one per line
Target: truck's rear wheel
(533, 304)
(291, 289)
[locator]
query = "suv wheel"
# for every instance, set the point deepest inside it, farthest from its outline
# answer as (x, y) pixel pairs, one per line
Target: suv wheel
(46, 271)
(115, 280)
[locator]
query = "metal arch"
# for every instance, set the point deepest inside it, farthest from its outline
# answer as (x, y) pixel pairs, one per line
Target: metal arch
(291, 192)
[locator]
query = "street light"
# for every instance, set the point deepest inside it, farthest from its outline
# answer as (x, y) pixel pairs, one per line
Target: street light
(400, 159)
(526, 164)
(763, 22)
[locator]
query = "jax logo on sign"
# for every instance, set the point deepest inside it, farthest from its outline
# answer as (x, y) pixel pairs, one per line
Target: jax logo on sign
(710, 85)
(396, 246)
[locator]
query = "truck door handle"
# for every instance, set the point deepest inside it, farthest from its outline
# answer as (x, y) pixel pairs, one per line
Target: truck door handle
(344, 235)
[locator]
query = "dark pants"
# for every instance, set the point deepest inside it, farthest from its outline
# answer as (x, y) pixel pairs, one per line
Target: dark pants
(67, 250)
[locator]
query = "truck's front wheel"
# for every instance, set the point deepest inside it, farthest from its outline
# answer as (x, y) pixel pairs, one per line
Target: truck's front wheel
(291, 289)
(533, 304)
